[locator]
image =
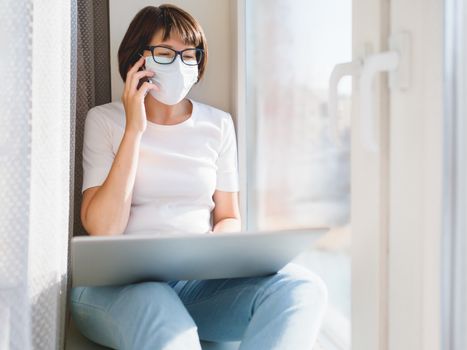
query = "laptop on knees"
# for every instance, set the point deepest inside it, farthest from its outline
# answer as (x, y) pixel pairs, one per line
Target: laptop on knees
(125, 259)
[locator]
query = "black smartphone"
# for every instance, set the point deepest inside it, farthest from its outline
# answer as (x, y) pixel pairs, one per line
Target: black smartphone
(142, 80)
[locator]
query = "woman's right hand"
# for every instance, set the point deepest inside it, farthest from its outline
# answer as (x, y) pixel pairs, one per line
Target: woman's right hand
(133, 98)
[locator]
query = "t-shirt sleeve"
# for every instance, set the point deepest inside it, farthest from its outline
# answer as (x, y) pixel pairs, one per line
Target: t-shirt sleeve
(98, 154)
(227, 163)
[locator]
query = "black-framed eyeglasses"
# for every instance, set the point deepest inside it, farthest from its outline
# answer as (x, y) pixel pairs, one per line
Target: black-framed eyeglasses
(166, 55)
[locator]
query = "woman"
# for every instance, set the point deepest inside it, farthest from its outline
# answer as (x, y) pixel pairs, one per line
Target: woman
(159, 162)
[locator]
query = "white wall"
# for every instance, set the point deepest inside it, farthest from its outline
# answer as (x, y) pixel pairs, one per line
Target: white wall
(216, 18)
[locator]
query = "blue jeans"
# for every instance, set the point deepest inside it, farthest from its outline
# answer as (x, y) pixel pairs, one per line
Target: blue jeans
(279, 311)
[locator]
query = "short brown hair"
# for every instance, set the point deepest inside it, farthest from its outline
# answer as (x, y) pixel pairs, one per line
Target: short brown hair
(147, 22)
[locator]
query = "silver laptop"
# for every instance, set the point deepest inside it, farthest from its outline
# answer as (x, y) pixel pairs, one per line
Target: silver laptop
(115, 260)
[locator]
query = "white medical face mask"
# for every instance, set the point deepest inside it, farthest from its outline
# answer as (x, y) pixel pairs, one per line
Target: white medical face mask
(174, 80)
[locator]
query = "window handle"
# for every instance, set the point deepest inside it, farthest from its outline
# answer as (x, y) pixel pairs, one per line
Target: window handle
(396, 61)
(382, 62)
(340, 70)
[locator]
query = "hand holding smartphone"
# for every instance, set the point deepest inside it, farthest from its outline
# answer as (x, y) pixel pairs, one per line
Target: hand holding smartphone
(133, 98)
(144, 79)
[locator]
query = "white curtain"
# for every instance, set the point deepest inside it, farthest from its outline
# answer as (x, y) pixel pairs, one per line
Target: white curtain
(34, 172)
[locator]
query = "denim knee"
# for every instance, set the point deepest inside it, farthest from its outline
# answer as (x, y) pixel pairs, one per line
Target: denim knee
(146, 315)
(152, 316)
(92, 320)
(300, 284)
(288, 310)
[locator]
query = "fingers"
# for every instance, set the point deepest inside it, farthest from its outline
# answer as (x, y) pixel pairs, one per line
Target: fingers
(145, 88)
(131, 71)
(136, 78)
(135, 67)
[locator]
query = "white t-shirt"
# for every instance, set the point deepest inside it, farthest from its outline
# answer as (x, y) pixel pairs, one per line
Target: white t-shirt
(179, 167)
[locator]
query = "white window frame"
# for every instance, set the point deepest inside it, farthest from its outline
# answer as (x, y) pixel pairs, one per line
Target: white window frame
(397, 212)
(454, 248)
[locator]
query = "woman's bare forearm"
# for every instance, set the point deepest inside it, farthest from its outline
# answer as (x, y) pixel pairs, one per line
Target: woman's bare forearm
(109, 209)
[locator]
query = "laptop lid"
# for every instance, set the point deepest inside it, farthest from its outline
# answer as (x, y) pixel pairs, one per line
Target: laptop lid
(124, 259)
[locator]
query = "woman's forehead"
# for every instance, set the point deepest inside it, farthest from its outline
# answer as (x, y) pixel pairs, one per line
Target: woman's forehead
(174, 40)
